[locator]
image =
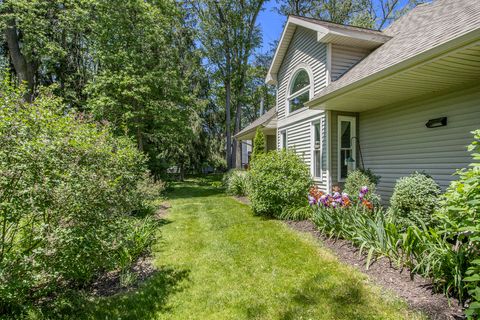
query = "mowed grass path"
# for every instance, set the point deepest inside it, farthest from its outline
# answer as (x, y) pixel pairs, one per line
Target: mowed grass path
(218, 261)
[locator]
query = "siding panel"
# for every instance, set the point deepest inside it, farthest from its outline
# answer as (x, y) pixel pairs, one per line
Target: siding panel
(344, 58)
(395, 141)
(304, 49)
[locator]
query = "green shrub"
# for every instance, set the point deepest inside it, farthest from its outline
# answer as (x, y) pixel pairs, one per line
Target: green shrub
(459, 220)
(236, 182)
(68, 188)
(278, 180)
(258, 144)
(356, 180)
(414, 200)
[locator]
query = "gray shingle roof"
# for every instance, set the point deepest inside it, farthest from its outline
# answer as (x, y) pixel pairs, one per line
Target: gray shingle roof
(328, 24)
(266, 117)
(423, 28)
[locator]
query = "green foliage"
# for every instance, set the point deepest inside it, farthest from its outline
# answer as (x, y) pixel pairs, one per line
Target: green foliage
(258, 144)
(414, 199)
(277, 180)
(356, 180)
(460, 223)
(446, 252)
(297, 213)
(373, 232)
(69, 186)
(236, 182)
(147, 83)
(375, 179)
(55, 37)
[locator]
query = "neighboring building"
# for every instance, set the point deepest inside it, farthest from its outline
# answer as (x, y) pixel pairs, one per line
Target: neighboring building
(268, 124)
(246, 152)
(346, 93)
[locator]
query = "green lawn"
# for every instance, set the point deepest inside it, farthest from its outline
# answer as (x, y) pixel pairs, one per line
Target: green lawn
(218, 261)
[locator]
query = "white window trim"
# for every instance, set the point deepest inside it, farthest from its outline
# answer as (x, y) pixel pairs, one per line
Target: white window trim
(310, 89)
(312, 149)
(353, 133)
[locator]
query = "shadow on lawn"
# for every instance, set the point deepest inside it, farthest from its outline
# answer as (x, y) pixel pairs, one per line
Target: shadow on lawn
(193, 189)
(143, 302)
(346, 299)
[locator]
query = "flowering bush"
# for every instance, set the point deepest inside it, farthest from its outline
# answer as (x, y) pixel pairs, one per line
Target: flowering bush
(338, 199)
(362, 178)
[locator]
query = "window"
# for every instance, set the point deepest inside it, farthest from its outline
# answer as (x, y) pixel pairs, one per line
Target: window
(346, 147)
(283, 142)
(317, 150)
(299, 90)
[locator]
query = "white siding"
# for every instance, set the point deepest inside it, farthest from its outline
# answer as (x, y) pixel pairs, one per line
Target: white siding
(344, 58)
(299, 139)
(395, 141)
(304, 48)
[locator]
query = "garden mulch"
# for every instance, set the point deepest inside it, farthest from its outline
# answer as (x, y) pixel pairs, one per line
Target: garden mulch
(109, 284)
(416, 291)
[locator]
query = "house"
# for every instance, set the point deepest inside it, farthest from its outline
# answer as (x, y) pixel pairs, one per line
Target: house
(394, 101)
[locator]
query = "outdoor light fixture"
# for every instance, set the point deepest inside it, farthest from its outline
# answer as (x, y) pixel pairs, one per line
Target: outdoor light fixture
(350, 162)
(435, 123)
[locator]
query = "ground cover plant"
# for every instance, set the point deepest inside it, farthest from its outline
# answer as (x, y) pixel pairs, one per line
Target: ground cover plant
(68, 188)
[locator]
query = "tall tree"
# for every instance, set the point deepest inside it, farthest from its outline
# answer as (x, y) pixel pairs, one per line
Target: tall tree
(229, 34)
(355, 12)
(47, 42)
(146, 84)
(363, 13)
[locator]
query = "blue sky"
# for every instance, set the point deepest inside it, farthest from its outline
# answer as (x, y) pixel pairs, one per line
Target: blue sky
(272, 23)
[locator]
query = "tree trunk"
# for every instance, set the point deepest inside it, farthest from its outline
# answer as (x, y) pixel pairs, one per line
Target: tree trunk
(237, 151)
(24, 69)
(227, 123)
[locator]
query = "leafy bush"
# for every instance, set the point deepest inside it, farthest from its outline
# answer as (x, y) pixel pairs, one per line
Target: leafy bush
(414, 199)
(68, 188)
(258, 144)
(460, 224)
(278, 179)
(356, 180)
(236, 182)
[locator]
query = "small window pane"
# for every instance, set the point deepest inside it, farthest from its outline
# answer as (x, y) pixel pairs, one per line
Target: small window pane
(346, 134)
(301, 81)
(317, 135)
(297, 102)
(317, 163)
(344, 155)
(284, 139)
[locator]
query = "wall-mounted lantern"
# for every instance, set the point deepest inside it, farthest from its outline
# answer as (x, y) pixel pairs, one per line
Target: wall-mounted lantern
(350, 164)
(435, 123)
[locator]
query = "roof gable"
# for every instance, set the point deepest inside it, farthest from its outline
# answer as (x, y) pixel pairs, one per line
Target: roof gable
(327, 32)
(415, 37)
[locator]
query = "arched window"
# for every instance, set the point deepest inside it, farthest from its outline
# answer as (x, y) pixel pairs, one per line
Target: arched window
(299, 90)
